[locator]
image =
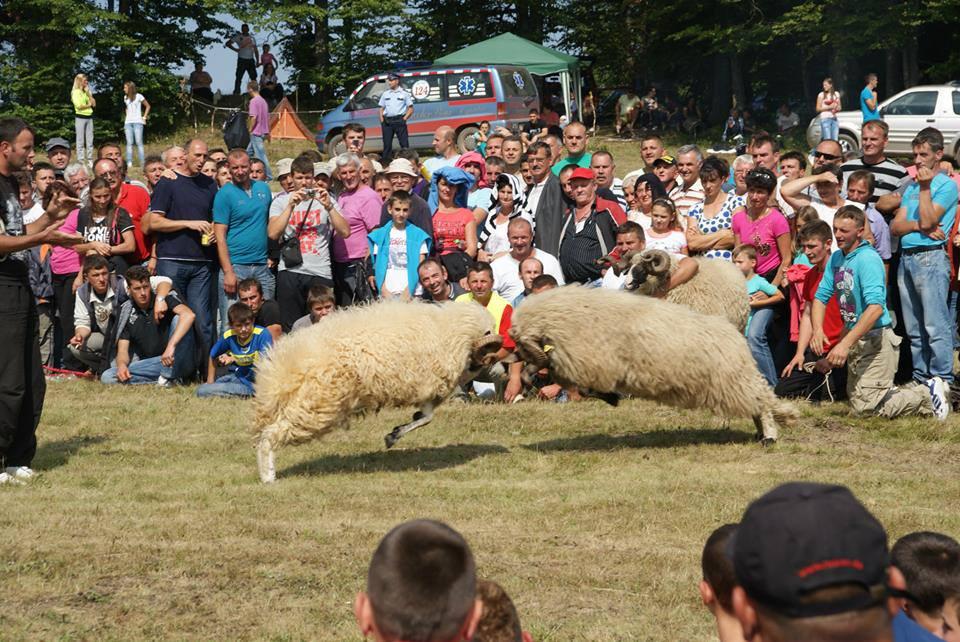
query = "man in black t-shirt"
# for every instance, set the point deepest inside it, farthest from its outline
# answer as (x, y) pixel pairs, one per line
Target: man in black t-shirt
(22, 385)
(267, 312)
(534, 129)
(163, 346)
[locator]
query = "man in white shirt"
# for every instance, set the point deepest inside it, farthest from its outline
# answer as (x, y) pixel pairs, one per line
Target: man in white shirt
(506, 270)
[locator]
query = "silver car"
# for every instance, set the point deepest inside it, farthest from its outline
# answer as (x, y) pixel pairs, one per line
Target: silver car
(906, 113)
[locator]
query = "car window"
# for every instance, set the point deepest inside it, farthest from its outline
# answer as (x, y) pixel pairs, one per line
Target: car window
(472, 84)
(517, 83)
(424, 89)
(956, 102)
(369, 96)
(917, 103)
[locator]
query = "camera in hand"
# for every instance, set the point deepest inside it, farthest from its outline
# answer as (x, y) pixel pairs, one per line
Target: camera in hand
(310, 193)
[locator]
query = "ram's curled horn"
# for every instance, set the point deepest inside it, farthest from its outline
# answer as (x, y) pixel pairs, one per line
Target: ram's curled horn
(537, 355)
(486, 340)
(656, 261)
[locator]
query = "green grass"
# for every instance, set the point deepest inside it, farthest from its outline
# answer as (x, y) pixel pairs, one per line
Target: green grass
(148, 521)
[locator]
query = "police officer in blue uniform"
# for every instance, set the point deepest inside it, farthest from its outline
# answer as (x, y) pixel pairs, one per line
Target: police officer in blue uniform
(396, 107)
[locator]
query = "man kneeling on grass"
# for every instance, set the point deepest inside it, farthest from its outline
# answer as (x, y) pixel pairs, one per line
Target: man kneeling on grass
(158, 330)
(240, 348)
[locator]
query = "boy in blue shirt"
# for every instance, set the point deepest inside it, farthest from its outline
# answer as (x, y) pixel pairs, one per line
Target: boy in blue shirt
(763, 296)
(240, 348)
(868, 346)
(923, 221)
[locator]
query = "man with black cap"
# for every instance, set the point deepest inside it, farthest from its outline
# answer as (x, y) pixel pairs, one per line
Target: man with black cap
(665, 168)
(811, 563)
(396, 108)
(58, 155)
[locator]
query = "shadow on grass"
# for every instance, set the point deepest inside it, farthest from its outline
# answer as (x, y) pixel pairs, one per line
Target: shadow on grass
(53, 454)
(653, 439)
(425, 459)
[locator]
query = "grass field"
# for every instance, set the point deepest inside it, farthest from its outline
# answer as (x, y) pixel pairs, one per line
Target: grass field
(148, 521)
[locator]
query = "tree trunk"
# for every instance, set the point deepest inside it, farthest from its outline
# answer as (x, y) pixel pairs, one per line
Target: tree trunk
(843, 76)
(720, 103)
(737, 84)
(321, 45)
(809, 95)
(893, 78)
(911, 63)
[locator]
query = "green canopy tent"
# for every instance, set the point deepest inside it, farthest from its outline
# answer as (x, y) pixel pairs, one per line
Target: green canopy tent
(510, 49)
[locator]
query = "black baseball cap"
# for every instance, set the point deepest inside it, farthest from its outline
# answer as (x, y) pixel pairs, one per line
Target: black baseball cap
(802, 537)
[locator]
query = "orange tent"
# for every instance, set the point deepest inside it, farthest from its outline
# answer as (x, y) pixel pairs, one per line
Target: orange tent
(285, 124)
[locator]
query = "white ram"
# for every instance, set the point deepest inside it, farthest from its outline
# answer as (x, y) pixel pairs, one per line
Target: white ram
(389, 354)
(611, 341)
(718, 288)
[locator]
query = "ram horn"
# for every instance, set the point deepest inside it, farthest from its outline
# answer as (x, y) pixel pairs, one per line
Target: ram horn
(656, 261)
(537, 355)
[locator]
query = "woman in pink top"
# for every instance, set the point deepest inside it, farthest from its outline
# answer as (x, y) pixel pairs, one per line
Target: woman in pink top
(764, 227)
(454, 231)
(64, 266)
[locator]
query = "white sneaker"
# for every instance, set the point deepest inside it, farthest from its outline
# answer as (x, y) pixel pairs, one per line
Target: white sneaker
(938, 398)
(21, 473)
(9, 480)
(163, 382)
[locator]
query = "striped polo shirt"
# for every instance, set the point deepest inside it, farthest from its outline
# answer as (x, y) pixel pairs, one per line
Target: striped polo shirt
(889, 176)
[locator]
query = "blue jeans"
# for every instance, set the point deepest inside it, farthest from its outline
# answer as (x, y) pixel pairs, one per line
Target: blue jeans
(829, 129)
(134, 133)
(193, 281)
(229, 385)
(256, 150)
(259, 272)
(145, 371)
(759, 346)
(924, 282)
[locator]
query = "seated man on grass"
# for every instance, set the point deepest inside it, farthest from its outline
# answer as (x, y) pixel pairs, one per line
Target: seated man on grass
(163, 346)
(240, 348)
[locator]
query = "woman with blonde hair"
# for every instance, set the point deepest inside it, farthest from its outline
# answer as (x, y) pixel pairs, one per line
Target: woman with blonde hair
(83, 104)
(137, 111)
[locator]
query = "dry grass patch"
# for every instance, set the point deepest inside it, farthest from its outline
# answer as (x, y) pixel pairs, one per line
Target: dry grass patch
(148, 521)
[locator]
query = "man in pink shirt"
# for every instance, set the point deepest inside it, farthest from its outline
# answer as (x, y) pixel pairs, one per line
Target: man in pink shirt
(360, 206)
(259, 125)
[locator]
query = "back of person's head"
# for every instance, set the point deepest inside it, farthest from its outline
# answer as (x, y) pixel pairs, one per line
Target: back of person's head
(811, 565)
(930, 563)
(717, 566)
(500, 621)
(421, 584)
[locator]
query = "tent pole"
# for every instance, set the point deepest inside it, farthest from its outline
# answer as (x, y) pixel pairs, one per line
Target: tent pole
(565, 88)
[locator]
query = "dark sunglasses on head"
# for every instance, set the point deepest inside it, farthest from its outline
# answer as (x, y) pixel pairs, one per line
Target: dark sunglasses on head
(826, 155)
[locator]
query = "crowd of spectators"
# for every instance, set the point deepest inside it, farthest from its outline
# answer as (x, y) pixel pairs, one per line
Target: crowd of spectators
(807, 561)
(827, 254)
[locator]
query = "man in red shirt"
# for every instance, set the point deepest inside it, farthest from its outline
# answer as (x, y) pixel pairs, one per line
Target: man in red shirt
(808, 375)
(135, 200)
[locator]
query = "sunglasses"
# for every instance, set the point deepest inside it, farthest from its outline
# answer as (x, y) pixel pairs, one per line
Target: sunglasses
(826, 155)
